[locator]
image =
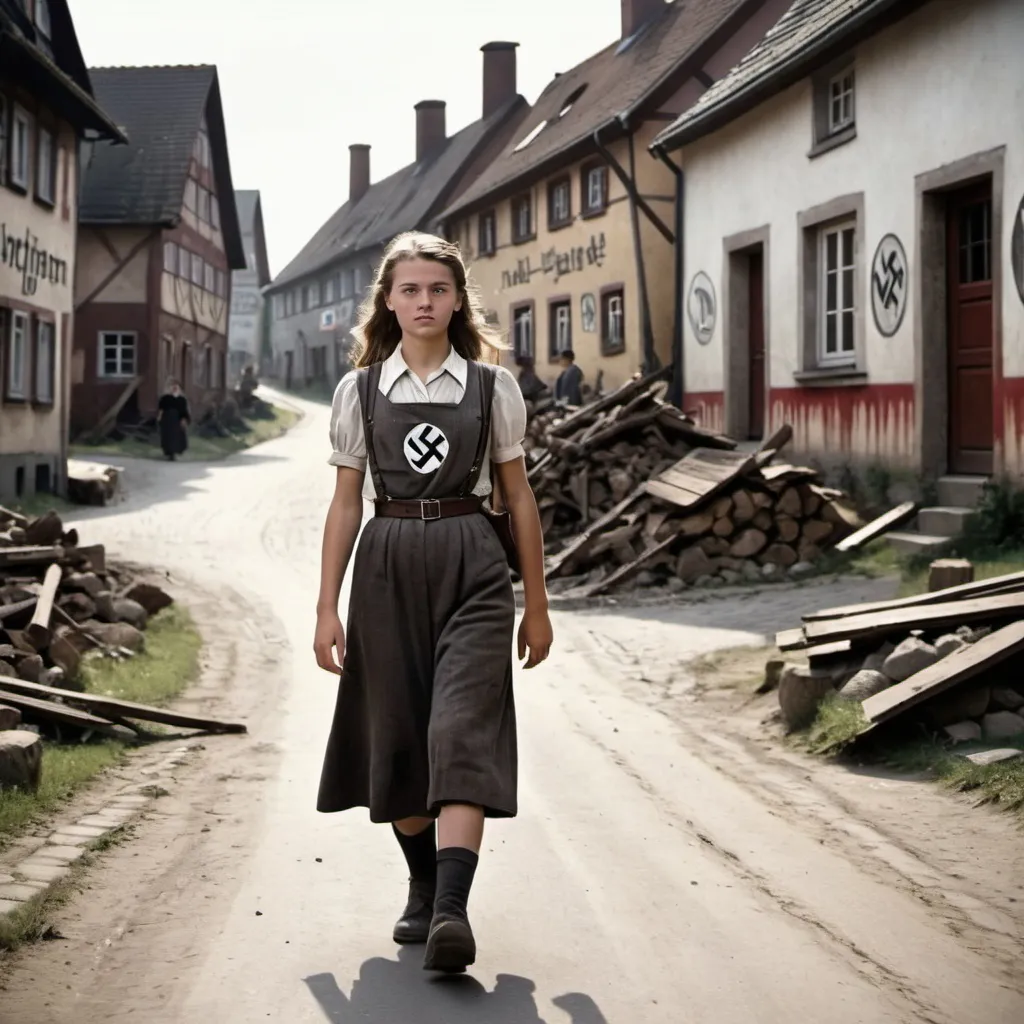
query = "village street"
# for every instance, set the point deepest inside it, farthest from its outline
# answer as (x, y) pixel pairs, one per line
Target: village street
(665, 868)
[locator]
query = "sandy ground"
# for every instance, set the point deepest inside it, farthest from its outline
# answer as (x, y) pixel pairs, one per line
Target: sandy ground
(669, 865)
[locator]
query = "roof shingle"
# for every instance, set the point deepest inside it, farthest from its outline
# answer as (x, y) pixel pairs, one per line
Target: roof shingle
(810, 32)
(404, 201)
(611, 83)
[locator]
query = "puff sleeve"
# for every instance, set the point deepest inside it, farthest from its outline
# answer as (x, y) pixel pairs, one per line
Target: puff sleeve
(508, 418)
(347, 439)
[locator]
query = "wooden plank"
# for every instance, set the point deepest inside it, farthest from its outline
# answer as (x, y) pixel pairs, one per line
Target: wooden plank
(556, 562)
(620, 396)
(699, 476)
(778, 440)
(627, 570)
(902, 620)
(114, 708)
(791, 474)
(1009, 583)
(672, 420)
(937, 678)
(38, 631)
(826, 651)
(31, 554)
(60, 713)
(9, 611)
(106, 421)
(791, 639)
(883, 524)
(15, 517)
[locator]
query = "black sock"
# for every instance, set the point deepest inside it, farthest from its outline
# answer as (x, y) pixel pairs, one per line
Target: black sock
(420, 853)
(455, 870)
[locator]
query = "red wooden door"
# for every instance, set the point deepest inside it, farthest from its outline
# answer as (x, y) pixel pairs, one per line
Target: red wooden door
(756, 346)
(969, 287)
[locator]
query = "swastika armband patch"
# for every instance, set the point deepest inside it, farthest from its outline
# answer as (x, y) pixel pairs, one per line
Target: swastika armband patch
(426, 448)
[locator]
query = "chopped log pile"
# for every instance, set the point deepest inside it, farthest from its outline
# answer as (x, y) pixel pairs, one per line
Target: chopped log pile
(631, 489)
(949, 660)
(61, 602)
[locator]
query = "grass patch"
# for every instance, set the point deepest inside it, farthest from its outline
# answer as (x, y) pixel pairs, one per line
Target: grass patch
(200, 448)
(169, 664)
(31, 921)
(838, 723)
(40, 504)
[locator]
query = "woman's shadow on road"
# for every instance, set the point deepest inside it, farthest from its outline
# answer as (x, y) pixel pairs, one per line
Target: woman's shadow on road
(398, 992)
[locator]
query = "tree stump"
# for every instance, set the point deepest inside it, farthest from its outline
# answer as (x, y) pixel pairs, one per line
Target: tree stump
(949, 572)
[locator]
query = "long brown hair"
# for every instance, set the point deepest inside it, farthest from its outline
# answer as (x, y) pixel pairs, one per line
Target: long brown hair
(378, 332)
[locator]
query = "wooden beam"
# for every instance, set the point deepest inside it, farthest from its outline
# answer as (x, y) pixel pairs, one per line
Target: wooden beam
(30, 554)
(556, 562)
(937, 678)
(111, 707)
(627, 570)
(132, 253)
(883, 524)
(110, 415)
(60, 713)
(38, 631)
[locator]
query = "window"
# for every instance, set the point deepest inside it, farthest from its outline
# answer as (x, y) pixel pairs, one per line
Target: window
(204, 205)
(209, 279)
(840, 102)
(44, 361)
(522, 331)
(278, 307)
(311, 297)
(191, 195)
(201, 149)
(43, 18)
(836, 296)
(17, 356)
(184, 263)
(117, 354)
(613, 322)
(289, 304)
(348, 284)
(222, 284)
(522, 219)
(487, 243)
(560, 329)
(170, 257)
(330, 290)
(214, 212)
(197, 270)
(46, 166)
(559, 203)
(21, 138)
(976, 243)
(595, 189)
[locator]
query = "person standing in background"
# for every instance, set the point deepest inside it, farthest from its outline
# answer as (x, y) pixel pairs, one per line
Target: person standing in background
(567, 387)
(173, 416)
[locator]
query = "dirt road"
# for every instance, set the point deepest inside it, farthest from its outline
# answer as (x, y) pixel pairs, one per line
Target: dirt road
(666, 866)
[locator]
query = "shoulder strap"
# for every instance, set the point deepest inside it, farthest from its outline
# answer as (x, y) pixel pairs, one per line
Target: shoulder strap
(368, 384)
(486, 377)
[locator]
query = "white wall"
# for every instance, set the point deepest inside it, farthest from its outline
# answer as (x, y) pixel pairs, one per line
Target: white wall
(943, 84)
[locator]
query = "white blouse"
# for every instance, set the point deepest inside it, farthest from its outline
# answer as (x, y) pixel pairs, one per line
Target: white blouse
(446, 385)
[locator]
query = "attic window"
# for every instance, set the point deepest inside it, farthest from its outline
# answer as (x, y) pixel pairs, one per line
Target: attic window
(571, 100)
(533, 134)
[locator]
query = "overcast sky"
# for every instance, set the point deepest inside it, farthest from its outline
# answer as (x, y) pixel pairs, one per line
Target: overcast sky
(303, 80)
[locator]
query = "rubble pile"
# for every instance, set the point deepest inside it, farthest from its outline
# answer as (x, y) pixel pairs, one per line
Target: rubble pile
(59, 599)
(949, 661)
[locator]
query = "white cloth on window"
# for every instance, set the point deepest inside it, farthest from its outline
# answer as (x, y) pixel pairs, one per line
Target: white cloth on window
(445, 386)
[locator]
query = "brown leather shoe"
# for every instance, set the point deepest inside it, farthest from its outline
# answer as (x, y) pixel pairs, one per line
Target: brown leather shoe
(450, 946)
(414, 924)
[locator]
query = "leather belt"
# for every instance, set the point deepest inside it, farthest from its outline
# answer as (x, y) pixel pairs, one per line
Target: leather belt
(443, 508)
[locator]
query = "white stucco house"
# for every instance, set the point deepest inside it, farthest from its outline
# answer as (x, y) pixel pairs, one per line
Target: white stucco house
(854, 237)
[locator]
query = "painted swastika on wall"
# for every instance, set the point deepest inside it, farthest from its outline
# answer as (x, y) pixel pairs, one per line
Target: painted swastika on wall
(890, 285)
(425, 448)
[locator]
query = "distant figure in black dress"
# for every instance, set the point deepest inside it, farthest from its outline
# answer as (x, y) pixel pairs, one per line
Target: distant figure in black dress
(173, 415)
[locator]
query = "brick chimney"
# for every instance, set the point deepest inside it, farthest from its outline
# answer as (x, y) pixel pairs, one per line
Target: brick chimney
(430, 128)
(500, 83)
(358, 171)
(636, 14)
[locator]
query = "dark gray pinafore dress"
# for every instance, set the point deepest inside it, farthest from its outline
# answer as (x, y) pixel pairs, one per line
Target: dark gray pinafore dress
(425, 714)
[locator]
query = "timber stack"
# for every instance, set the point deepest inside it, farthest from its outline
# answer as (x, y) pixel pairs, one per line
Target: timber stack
(60, 599)
(631, 490)
(948, 661)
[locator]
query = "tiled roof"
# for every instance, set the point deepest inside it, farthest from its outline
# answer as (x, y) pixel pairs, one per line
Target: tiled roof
(402, 202)
(613, 82)
(811, 31)
(161, 110)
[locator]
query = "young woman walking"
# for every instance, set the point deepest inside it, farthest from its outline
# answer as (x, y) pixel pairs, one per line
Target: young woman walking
(424, 731)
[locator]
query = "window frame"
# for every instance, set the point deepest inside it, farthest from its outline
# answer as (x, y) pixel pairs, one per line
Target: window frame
(19, 393)
(198, 270)
(588, 208)
(561, 184)
(119, 373)
(826, 134)
(842, 357)
(184, 263)
(842, 124)
(171, 258)
(46, 332)
(519, 203)
(210, 278)
(191, 197)
(487, 246)
(517, 310)
(49, 166)
(556, 305)
(24, 183)
(610, 294)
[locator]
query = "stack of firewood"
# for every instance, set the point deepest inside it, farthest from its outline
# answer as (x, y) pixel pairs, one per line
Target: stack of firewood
(59, 599)
(584, 462)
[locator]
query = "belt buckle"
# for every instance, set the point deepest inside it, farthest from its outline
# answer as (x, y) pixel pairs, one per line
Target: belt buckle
(423, 509)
